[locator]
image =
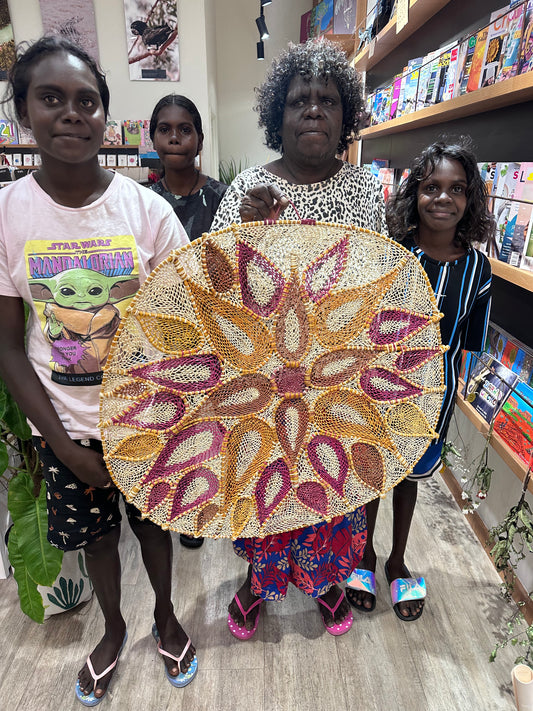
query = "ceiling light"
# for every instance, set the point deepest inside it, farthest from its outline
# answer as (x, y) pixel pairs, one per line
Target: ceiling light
(261, 26)
(260, 50)
(265, 2)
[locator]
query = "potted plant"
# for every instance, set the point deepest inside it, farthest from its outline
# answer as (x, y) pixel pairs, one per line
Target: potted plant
(36, 564)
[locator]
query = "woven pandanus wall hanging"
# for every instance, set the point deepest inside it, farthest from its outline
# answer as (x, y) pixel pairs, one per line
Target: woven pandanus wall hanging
(270, 376)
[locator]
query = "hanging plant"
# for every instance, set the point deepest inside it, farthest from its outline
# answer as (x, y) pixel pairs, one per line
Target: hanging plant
(476, 481)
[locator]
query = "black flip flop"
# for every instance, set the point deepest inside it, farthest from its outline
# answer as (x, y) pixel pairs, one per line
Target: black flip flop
(404, 590)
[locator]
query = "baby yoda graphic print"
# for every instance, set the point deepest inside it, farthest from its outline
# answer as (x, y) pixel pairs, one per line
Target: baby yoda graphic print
(81, 289)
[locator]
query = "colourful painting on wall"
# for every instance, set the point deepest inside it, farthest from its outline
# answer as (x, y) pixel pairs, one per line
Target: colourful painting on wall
(73, 20)
(7, 43)
(152, 33)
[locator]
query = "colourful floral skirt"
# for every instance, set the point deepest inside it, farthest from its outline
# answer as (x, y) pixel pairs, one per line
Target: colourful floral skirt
(313, 559)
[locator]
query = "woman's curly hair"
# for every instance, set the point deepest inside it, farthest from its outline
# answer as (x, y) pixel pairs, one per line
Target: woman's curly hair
(477, 225)
(321, 59)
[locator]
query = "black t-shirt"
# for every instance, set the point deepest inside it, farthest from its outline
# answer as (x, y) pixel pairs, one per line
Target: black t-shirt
(196, 211)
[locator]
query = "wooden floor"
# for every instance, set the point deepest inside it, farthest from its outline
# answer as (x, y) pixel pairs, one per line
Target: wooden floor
(439, 663)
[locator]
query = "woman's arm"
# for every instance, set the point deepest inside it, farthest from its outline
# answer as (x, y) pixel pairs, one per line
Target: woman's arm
(26, 388)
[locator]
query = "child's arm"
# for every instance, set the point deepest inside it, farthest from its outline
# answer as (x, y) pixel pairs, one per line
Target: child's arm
(25, 387)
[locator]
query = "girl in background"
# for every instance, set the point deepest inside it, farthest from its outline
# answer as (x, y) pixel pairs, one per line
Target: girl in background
(439, 213)
(176, 132)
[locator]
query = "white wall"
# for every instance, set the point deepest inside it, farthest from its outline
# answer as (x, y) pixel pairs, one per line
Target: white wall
(136, 99)
(505, 488)
(239, 71)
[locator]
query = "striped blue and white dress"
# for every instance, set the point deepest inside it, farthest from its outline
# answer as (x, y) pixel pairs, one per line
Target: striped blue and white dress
(463, 292)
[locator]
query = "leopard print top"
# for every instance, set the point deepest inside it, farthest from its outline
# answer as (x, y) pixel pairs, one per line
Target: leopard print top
(352, 196)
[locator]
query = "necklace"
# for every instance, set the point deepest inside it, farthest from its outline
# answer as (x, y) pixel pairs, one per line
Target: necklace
(165, 185)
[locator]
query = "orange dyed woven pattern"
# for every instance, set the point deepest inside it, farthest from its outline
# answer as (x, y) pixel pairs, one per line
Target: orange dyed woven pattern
(271, 376)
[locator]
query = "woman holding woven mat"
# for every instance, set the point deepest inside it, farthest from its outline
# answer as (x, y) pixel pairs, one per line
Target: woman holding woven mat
(310, 106)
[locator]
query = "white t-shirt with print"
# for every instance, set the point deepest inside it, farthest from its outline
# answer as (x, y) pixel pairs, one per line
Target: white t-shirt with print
(78, 269)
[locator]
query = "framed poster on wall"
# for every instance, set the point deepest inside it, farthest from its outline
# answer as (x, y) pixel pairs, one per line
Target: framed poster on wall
(73, 20)
(152, 32)
(7, 43)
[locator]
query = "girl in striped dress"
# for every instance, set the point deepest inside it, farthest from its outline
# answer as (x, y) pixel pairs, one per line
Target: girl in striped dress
(438, 213)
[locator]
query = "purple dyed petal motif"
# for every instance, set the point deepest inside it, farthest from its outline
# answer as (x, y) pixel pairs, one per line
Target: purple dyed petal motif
(197, 487)
(261, 282)
(314, 497)
(159, 411)
(321, 276)
(394, 326)
(191, 446)
(329, 460)
(383, 385)
(188, 374)
(272, 487)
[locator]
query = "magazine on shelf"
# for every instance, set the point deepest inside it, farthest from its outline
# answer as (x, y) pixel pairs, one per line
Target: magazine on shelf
(408, 92)
(451, 76)
(511, 44)
(396, 86)
(504, 185)
(514, 239)
(514, 422)
(442, 74)
(468, 55)
(496, 33)
(474, 76)
(488, 386)
(525, 59)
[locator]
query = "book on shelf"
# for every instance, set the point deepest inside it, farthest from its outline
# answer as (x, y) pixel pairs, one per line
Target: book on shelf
(525, 56)
(487, 171)
(377, 164)
(8, 133)
(508, 66)
(26, 137)
(514, 239)
(514, 422)
(488, 385)
(442, 74)
(527, 255)
(113, 133)
(132, 132)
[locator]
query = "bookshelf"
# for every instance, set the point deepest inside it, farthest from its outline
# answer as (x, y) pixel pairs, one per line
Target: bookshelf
(506, 93)
(420, 11)
(521, 277)
(515, 464)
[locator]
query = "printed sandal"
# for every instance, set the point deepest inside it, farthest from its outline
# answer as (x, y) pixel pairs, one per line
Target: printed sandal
(340, 627)
(365, 581)
(183, 678)
(242, 632)
(91, 699)
(404, 590)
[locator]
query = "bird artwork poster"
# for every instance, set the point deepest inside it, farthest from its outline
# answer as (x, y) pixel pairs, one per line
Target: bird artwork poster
(152, 38)
(73, 20)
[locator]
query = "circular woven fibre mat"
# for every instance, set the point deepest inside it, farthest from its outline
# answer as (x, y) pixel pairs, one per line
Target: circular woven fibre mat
(270, 376)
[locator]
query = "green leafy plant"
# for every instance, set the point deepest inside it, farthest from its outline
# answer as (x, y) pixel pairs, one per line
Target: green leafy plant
(34, 561)
(518, 634)
(228, 170)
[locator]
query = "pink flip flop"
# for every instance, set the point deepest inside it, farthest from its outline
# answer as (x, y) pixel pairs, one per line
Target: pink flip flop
(340, 627)
(241, 632)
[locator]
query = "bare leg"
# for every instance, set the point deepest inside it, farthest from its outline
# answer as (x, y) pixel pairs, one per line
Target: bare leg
(247, 598)
(360, 598)
(103, 565)
(403, 506)
(156, 549)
